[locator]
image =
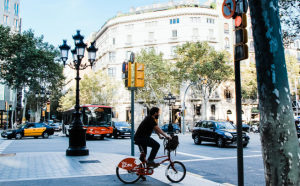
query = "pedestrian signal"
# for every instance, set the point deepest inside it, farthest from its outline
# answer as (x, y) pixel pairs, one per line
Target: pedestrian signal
(139, 75)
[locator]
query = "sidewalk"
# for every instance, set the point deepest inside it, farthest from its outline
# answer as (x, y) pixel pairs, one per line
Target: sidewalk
(55, 168)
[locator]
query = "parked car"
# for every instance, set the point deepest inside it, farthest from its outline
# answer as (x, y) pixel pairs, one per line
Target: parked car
(221, 132)
(121, 129)
(29, 130)
(56, 126)
(176, 128)
(245, 127)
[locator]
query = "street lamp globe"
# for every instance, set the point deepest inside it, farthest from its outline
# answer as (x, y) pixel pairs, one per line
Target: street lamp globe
(92, 53)
(64, 50)
(80, 48)
(74, 54)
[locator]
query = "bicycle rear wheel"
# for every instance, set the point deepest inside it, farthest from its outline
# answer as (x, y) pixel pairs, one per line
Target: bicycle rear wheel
(127, 176)
(176, 173)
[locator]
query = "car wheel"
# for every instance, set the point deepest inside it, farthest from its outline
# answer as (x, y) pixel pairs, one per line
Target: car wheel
(19, 136)
(245, 145)
(176, 131)
(197, 140)
(45, 135)
(220, 142)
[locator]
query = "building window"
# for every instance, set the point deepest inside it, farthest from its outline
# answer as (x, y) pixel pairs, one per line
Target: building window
(198, 110)
(16, 9)
(195, 32)
(114, 41)
(127, 55)
(210, 21)
(6, 5)
(173, 49)
(195, 19)
(174, 33)
(5, 20)
(151, 36)
(16, 23)
(129, 40)
(213, 110)
(226, 28)
(227, 46)
(174, 21)
(112, 72)
(227, 94)
(112, 56)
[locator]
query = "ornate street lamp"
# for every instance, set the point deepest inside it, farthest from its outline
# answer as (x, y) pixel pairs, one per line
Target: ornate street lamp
(77, 134)
(172, 100)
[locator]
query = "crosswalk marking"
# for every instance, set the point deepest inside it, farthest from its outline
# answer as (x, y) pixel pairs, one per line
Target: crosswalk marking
(4, 144)
(223, 158)
(193, 155)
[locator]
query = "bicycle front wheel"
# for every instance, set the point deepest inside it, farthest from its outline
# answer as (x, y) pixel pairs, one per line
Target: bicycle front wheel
(176, 172)
(127, 176)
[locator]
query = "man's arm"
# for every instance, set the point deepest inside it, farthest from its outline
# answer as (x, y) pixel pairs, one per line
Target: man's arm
(159, 132)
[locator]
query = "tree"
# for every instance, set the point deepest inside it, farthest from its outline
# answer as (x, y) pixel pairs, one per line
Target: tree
(249, 82)
(280, 146)
(95, 88)
(200, 61)
(158, 78)
(289, 12)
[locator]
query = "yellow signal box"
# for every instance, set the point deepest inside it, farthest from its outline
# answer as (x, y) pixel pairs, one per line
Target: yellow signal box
(139, 75)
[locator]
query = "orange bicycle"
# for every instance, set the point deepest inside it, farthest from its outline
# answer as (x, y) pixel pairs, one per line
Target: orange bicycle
(130, 170)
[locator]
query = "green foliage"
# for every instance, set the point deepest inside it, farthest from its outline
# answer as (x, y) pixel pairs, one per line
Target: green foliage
(213, 5)
(249, 82)
(158, 78)
(95, 88)
(199, 60)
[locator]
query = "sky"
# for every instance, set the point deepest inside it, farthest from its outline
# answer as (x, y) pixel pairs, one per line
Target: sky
(59, 19)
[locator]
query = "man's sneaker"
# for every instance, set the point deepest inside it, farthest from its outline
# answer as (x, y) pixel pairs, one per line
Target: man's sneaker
(152, 164)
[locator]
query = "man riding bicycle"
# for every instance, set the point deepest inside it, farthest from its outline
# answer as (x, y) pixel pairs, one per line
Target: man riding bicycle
(143, 138)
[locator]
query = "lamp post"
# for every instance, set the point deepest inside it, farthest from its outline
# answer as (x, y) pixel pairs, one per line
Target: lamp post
(39, 95)
(77, 134)
(171, 100)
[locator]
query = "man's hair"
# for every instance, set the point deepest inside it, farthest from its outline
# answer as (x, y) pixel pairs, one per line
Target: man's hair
(153, 110)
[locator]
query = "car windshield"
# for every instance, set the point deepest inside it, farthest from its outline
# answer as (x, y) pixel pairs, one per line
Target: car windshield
(225, 125)
(97, 116)
(21, 126)
(122, 124)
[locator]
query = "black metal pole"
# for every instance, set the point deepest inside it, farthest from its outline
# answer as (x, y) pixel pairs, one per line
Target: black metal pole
(77, 134)
(240, 161)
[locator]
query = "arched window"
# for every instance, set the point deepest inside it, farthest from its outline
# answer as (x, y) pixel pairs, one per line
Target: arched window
(229, 112)
(227, 43)
(213, 110)
(227, 93)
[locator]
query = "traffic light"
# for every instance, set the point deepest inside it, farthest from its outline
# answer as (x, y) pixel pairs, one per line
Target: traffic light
(126, 69)
(139, 75)
(48, 106)
(241, 38)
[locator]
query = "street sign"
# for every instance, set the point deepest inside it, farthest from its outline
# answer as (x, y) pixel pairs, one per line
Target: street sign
(228, 8)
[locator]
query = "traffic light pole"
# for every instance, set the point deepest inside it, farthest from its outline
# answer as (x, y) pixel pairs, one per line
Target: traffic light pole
(240, 161)
(132, 119)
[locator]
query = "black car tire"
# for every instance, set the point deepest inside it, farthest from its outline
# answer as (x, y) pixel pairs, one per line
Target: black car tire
(197, 140)
(45, 135)
(19, 136)
(220, 142)
(245, 145)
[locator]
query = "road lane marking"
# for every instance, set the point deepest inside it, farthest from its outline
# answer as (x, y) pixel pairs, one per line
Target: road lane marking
(224, 158)
(193, 155)
(4, 144)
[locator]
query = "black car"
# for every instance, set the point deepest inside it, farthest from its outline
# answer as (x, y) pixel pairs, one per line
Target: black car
(121, 129)
(245, 127)
(221, 132)
(56, 126)
(176, 128)
(29, 130)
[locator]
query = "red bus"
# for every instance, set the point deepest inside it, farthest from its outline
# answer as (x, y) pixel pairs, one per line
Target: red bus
(97, 120)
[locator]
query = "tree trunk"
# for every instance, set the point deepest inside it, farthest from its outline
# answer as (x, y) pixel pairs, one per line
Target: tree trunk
(279, 140)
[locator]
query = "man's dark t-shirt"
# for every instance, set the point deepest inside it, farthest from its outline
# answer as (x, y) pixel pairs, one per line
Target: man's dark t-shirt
(146, 127)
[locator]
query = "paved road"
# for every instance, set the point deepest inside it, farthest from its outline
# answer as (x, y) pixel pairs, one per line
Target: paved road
(206, 160)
